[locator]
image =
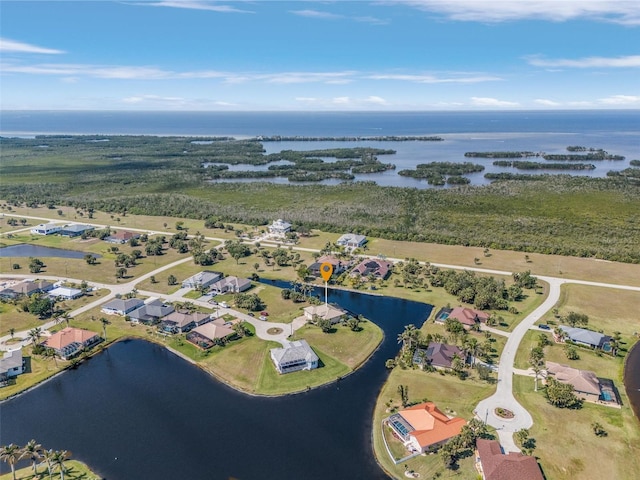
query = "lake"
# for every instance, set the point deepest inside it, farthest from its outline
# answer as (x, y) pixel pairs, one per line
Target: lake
(138, 411)
(26, 250)
(632, 378)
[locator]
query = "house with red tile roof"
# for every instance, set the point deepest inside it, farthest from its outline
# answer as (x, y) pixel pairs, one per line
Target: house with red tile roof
(122, 236)
(69, 341)
(424, 427)
(372, 266)
(468, 317)
(493, 464)
(585, 383)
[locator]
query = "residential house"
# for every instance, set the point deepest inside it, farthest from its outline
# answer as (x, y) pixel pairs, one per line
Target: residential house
(296, 356)
(279, 228)
(207, 335)
(151, 312)
(468, 317)
(352, 240)
(585, 383)
(438, 355)
(26, 288)
(424, 427)
(231, 284)
(65, 293)
(75, 230)
(121, 306)
(201, 279)
(182, 322)
(376, 267)
(69, 341)
(122, 236)
(338, 265)
(586, 337)
(326, 311)
(46, 229)
(11, 365)
(493, 464)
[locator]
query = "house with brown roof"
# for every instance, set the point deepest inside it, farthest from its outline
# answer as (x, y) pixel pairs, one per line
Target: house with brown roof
(585, 383)
(338, 265)
(207, 335)
(182, 322)
(122, 236)
(26, 288)
(493, 464)
(437, 355)
(70, 341)
(468, 317)
(424, 427)
(325, 311)
(380, 269)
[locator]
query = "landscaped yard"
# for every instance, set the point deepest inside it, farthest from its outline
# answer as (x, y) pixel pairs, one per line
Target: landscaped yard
(74, 470)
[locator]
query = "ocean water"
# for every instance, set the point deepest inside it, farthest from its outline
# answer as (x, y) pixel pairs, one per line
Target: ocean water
(616, 131)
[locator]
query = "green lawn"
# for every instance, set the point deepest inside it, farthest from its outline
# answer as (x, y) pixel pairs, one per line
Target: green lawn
(75, 470)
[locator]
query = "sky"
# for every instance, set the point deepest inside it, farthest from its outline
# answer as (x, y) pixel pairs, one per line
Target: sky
(414, 55)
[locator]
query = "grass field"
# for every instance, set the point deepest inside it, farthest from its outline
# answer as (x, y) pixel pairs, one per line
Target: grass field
(74, 470)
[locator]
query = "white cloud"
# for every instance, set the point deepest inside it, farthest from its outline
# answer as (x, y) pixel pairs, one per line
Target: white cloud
(307, 77)
(12, 46)
(491, 102)
(341, 100)
(629, 61)
(621, 100)
(316, 14)
(376, 100)
(153, 99)
(434, 79)
(619, 11)
(196, 5)
(546, 103)
(113, 72)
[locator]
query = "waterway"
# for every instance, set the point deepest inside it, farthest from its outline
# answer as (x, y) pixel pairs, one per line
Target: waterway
(138, 411)
(26, 250)
(632, 378)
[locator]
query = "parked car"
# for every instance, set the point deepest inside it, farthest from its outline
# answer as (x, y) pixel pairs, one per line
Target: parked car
(263, 318)
(251, 314)
(264, 314)
(544, 326)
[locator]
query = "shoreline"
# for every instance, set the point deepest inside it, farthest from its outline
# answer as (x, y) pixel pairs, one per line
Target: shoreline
(632, 366)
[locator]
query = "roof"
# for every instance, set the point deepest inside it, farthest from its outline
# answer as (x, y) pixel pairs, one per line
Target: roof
(372, 266)
(326, 311)
(468, 316)
(122, 305)
(155, 308)
(582, 380)
(439, 354)
(238, 283)
(67, 336)
(124, 235)
(64, 292)
(10, 360)
(77, 228)
(512, 466)
(203, 277)
(27, 287)
(583, 335)
(215, 329)
(294, 352)
(280, 224)
(182, 319)
(430, 425)
(351, 238)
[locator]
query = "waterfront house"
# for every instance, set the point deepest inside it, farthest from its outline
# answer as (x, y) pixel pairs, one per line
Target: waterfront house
(69, 341)
(585, 337)
(298, 355)
(181, 322)
(424, 427)
(65, 293)
(437, 355)
(26, 288)
(279, 228)
(328, 312)
(121, 306)
(207, 335)
(202, 279)
(351, 240)
(46, 229)
(75, 230)
(585, 383)
(338, 265)
(380, 269)
(151, 312)
(493, 464)
(231, 284)
(122, 236)
(468, 317)
(11, 365)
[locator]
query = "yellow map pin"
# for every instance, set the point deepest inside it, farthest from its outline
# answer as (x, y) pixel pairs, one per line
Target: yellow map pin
(326, 269)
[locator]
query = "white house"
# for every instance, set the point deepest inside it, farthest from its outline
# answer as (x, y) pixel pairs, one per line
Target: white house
(326, 311)
(201, 279)
(279, 228)
(296, 356)
(46, 229)
(11, 365)
(66, 293)
(119, 306)
(231, 284)
(352, 240)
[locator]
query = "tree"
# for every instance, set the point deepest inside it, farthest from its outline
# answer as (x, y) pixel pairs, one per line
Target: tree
(598, 430)
(40, 305)
(90, 259)
(104, 322)
(10, 454)
(121, 272)
(571, 352)
(574, 318)
(33, 451)
(409, 337)
(561, 394)
(353, 323)
(324, 324)
(48, 456)
(536, 360)
(59, 457)
(12, 332)
(403, 390)
(35, 265)
(35, 334)
(172, 280)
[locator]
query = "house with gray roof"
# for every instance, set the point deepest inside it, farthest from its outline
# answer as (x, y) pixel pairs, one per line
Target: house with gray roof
(586, 337)
(279, 228)
(182, 322)
(296, 356)
(202, 279)
(438, 355)
(75, 230)
(151, 312)
(231, 284)
(11, 365)
(121, 306)
(352, 240)
(26, 288)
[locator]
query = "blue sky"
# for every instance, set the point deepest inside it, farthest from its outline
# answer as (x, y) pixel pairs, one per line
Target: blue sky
(328, 55)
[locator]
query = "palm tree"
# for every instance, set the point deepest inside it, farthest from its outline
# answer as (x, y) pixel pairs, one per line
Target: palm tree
(59, 457)
(35, 334)
(50, 353)
(66, 317)
(48, 457)
(10, 454)
(104, 322)
(32, 451)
